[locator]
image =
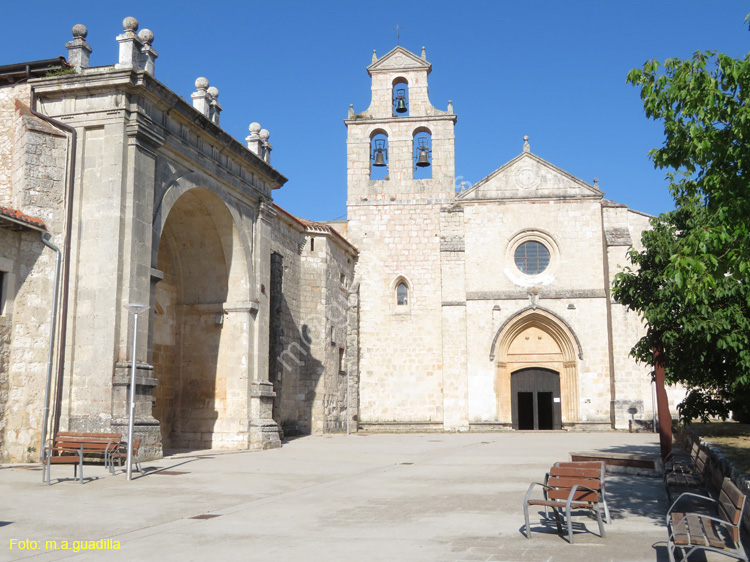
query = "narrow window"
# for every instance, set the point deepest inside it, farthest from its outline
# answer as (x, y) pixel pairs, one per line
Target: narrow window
(2, 292)
(342, 367)
(312, 244)
(402, 294)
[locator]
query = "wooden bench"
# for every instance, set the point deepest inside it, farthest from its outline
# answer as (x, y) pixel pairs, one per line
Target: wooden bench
(694, 480)
(675, 464)
(120, 455)
(70, 447)
(569, 487)
(597, 465)
(689, 531)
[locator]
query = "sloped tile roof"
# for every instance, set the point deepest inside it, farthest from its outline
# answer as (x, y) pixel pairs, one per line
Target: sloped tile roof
(18, 219)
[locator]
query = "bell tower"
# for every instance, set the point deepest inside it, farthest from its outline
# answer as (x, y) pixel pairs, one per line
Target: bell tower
(400, 175)
(401, 148)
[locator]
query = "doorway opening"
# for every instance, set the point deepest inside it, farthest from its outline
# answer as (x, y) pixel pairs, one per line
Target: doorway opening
(536, 399)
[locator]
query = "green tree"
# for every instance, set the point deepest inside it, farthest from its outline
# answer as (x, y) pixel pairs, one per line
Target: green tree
(707, 339)
(690, 283)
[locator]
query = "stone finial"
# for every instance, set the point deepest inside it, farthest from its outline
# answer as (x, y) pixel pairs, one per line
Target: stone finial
(374, 56)
(130, 45)
(450, 107)
(424, 54)
(215, 107)
(267, 148)
(351, 110)
(130, 25)
(148, 56)
(79, 50)
(201, 98)
(80, 31)
(146, 36)
(526, 145)
(596, 183)
(254, 144)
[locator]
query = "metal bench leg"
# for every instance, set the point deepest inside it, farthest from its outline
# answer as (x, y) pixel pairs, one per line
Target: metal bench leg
(570, 523)
(602, 533)
(526, 518)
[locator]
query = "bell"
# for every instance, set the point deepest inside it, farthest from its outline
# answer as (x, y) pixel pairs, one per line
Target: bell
(423, 161)
(401, 106)
(379, 160)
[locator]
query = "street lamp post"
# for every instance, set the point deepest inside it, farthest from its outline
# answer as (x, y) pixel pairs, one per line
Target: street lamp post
(135, 308)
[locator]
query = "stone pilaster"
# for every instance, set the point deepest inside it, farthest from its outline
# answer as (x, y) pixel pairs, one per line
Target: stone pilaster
(264, 432)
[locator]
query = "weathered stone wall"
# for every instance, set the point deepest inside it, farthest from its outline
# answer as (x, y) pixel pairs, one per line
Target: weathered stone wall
(33, 158)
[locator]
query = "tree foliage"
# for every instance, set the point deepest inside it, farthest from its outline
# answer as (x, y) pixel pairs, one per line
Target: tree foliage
(690, 283)
(706, 340)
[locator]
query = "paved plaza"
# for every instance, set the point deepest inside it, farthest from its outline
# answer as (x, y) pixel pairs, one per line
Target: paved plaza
(396, 497)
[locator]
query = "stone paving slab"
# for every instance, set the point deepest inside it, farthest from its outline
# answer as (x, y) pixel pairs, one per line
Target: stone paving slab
(410, 497)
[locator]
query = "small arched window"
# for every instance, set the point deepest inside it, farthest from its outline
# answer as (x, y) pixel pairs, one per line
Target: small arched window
(402, 294)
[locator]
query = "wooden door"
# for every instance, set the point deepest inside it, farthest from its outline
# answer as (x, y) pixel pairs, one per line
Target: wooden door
(535, 395)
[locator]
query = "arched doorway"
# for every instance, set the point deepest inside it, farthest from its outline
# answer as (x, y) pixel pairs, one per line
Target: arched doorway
(535, 399)
(537, 371)
(197, 347)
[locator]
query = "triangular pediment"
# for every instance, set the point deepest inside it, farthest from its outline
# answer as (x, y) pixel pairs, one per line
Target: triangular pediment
(399, 59)
(529, 177)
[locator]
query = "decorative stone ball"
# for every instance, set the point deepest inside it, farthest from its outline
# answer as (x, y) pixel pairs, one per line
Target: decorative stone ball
(146, 35)
(80, 31)
(130, 24)
(526, 138)
(255, 128)
(201, 83)
(214, 91)
(264, 134)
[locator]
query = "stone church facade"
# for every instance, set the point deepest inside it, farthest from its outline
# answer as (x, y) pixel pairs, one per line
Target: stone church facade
(427, 309)
(488, 308)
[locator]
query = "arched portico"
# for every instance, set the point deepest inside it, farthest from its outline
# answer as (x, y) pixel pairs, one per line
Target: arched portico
(536, 338)
(200, 353)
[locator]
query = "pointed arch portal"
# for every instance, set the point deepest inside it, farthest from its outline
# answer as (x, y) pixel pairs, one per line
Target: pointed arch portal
(537, 371)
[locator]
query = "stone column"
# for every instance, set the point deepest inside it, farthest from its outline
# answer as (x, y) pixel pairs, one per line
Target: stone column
(78, 50)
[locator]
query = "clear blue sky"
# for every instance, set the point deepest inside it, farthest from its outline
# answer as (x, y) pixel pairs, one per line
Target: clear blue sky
(548, 69)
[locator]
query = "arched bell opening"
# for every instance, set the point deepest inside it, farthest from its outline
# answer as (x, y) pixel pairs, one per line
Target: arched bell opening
(379, 155)
(400, 97)
(529, 349)
(422, 153)
(198, 349)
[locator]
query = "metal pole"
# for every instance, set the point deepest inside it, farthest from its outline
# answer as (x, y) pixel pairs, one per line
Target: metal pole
(50, 354)
(348, 417)
(135, 308)
(131, 401)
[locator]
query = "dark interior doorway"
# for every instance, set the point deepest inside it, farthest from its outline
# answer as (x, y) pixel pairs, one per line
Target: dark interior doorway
(535, 397)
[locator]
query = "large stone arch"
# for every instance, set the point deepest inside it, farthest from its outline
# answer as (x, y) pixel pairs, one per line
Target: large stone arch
(200, 353)
(536, 337)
